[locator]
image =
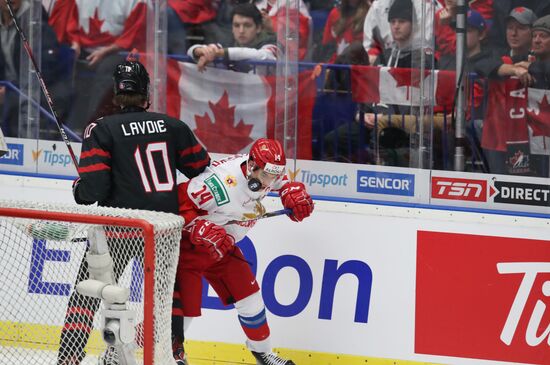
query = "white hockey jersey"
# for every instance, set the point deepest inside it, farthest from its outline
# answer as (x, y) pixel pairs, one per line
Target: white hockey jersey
(222, 192)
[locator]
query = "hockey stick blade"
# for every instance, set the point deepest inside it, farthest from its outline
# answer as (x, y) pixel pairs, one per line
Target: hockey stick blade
(266, 215)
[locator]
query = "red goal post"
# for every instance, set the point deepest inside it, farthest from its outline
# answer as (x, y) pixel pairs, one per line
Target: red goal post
(42, 246)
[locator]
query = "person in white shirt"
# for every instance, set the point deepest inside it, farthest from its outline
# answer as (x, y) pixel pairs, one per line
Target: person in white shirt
(250, 40)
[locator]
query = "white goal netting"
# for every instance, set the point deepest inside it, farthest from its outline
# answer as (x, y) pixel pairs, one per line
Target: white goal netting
(43, 320)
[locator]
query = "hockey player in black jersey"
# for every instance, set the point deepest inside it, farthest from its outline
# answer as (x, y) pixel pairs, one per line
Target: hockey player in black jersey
(128, 160)
(117, 150)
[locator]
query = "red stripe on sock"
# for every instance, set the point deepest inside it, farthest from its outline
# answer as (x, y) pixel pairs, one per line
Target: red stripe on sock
(257, 334)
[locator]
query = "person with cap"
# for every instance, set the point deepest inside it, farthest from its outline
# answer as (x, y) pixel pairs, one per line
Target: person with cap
(445, 29)
(541, 50)
(401, 52)
(518, 38)
(497, 135)
(539, 70)
(376, 29)
(501, 12)
(519, 33)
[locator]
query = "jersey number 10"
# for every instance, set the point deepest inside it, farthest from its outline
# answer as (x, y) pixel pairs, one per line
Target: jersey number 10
(158, 147)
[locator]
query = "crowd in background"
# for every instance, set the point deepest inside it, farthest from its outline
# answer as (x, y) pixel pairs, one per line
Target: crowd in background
(504, 38)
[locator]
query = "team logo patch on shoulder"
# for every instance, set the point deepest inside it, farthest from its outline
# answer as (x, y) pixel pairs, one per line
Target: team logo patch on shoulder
(218, 190)
(231, 181)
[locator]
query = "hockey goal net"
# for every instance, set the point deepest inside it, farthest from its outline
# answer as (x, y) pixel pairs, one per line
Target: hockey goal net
(42, 248)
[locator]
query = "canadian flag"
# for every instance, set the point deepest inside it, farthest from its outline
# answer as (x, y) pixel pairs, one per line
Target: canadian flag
(538, 119)
(97, 23)
(229, 110)
(399, 86)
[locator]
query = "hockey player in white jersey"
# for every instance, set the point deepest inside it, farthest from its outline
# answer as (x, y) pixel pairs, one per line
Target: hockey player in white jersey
(232, 189)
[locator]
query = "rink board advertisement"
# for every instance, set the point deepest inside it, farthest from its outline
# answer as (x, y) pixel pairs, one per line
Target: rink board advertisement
(388, 285)
(332, 179)
(39, 156)
(492, 289)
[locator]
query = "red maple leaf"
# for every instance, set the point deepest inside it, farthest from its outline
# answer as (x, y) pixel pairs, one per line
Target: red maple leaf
(95, 25)
(222, 135)
(407, 76)
(541, 123)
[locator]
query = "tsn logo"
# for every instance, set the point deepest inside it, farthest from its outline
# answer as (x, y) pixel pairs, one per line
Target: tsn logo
(459, 189)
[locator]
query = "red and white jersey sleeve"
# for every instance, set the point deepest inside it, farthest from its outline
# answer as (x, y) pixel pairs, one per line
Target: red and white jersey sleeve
(221, 194)
(106, 22)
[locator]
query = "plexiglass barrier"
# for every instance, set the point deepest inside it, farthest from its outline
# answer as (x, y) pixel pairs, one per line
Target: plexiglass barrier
(359, 86)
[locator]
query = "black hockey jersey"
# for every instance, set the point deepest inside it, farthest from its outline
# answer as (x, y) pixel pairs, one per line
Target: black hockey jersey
(129, 160)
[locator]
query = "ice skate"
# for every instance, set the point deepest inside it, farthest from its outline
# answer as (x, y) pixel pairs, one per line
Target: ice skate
(179, 353)
(269, 358)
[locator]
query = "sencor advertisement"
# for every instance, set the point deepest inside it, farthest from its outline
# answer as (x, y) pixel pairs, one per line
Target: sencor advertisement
(15, 155)
(377, 182)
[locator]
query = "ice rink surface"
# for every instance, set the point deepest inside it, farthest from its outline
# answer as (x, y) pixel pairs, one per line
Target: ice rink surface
(21, 356)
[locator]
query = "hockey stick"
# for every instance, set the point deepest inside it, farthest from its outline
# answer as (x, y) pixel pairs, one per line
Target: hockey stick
(49, 99)
(266, 215)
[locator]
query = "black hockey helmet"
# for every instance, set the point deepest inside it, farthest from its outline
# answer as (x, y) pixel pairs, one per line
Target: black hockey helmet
(131, 77)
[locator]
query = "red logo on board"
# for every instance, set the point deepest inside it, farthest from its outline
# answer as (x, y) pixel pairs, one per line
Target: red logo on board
(483, 297)
(459, 189)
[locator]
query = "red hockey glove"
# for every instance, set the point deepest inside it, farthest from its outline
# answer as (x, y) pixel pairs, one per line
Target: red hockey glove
(213, 237)
(294, 196)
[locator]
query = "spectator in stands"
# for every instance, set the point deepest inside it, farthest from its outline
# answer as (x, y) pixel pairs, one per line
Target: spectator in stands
(275, 15)
(519, 33)
(401, 51)
(540, 68)
(501, 11)
(399, 54)
(540, 72)
(13, 56)
(183, 14)
(98, 32)
(250, 42)
(344, 25)
(445, 32)
(377, 33)
(495, 133)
